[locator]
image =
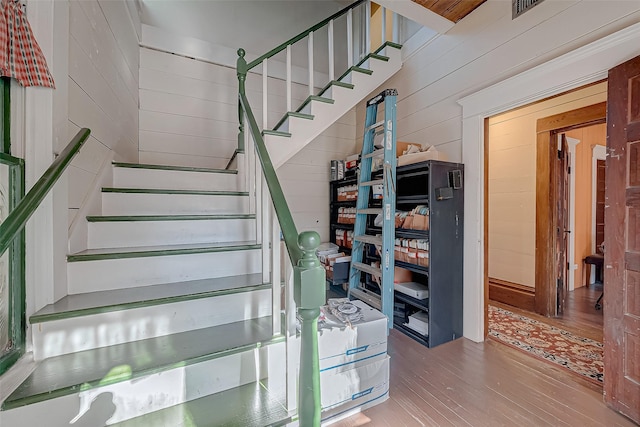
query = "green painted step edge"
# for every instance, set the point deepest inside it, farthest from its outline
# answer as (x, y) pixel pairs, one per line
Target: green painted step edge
(373, 56)
(336, 83)
(276, 133)
(160, 252)
(169, 191)
(390, 44)
(172, 168)
(65, 391)
(354, 69)
(141, 218)
(315, 98)
(141, 304)
(233, 156)
(292, 114)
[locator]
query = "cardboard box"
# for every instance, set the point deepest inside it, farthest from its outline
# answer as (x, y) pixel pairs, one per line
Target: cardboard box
(360, 386)
(339, 345)
(409, 159)
(402, 146)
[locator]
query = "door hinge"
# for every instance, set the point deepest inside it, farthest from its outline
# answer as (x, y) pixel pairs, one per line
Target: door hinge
(568, 266)
(569, 170)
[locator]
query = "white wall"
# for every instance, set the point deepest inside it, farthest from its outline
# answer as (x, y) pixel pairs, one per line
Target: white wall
(305, 177)
(102, 90)
(189, 109)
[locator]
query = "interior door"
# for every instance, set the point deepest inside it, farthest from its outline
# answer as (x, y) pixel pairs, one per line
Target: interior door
(622, 242)
(562, 226)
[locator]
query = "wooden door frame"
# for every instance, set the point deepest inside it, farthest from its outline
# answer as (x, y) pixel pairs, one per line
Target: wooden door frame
(547, 129)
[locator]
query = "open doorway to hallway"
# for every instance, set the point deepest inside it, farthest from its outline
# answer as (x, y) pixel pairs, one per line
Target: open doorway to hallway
(530, 181)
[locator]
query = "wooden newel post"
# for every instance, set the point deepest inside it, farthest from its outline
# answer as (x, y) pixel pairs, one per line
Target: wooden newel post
(241, 72)
(309, 294)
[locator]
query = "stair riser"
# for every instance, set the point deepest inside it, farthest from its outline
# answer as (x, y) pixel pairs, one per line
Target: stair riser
(88, 332)
(316, 108)
(177, 180)
(171, 204)
(149, 393)
(105, 274)
(151, 233)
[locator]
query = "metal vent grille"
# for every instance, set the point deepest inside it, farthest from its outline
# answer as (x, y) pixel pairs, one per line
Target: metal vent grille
(518, 7)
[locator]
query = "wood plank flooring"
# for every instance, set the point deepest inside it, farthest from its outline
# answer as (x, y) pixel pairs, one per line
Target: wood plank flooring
(463, 383)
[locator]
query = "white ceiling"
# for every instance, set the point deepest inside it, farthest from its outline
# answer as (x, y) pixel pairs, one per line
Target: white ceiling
(255, 25)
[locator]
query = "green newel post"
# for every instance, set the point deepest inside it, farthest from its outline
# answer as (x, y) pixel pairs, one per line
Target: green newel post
(309, 295)
(241, 72)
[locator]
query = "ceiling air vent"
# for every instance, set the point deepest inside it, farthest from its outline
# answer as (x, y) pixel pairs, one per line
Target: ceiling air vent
(518, 7)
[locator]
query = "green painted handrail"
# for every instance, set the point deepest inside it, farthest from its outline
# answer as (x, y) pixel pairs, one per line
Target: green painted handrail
(302, 35)
(289, 231)
(28, 205)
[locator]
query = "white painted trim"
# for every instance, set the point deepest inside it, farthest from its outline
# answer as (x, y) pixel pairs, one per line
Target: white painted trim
(599, 153)
(584, 65)
(572, 143)
(419, 14)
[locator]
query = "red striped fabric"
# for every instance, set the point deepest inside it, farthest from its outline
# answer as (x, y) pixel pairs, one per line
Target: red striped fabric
(20, 55)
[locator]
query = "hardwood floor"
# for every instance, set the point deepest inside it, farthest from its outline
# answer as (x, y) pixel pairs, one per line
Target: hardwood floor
(463, 383)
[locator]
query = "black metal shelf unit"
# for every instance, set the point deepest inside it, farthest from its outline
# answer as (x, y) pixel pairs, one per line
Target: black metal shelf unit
(439, 186)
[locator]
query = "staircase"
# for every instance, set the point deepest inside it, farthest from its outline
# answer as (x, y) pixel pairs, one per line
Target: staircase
(171, 316)
(168, 313)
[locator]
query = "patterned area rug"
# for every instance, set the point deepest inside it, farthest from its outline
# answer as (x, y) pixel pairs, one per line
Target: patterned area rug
(580, 355)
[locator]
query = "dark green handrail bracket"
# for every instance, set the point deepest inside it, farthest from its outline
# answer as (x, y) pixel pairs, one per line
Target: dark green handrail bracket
(18, 218)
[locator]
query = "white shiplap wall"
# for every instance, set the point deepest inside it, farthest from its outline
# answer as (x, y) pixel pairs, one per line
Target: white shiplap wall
(189, 109)
(188, 116)
(305, 177)
(102, 90)
(485, 47)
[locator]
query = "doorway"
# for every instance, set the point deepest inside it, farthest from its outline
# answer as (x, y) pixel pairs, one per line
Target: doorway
(538, 169)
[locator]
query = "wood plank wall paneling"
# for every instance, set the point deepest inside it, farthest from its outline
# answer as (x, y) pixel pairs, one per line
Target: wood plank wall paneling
(103, 89)
(484, 48)
(305, 177)
(188, 116)
(512, 183)
(188, 109)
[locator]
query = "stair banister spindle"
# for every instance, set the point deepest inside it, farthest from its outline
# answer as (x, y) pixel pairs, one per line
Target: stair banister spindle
(367, 32)
(310, 52)
(288, 77)
(350, 38)
(396, 28)
(265, 94)
(331, 63)
(309, 295)
(383, 27)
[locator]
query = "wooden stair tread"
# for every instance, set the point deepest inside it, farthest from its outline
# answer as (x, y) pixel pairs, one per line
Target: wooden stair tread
(123, 299)
(71, 373)
(172, 168)
(172, 191)
(173, 217)
(250, 405)
(164, 250)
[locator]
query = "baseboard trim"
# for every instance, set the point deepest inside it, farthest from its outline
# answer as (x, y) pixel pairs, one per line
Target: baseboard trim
(513, 294)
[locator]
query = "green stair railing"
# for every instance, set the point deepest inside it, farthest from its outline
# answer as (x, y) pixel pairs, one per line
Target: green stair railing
(308, 274)
(12, 235)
